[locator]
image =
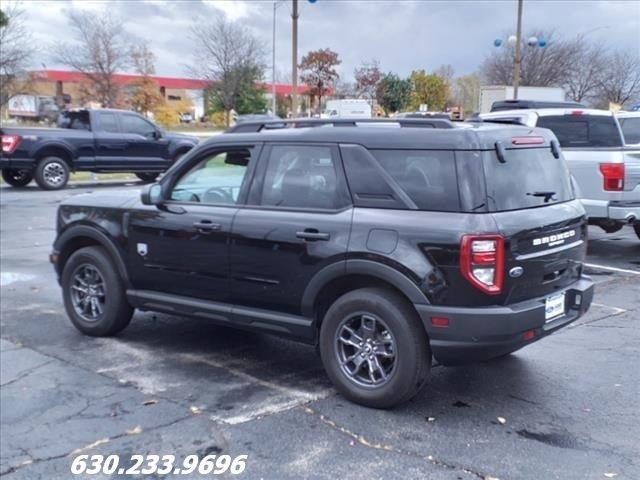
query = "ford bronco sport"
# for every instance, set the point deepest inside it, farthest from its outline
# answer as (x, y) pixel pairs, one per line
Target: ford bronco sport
(385, 247)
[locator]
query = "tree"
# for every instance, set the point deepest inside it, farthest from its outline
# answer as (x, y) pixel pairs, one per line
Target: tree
(428, 89)
(145, 97)
(367, 77)
(584, 75)
(99, 51)
(229, 57)
(15, 51)
(393, 92)
(318, 72)
(466, 93)
(541, 67)
(621, 83)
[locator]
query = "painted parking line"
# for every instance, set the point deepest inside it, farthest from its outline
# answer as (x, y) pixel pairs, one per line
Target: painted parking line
(616, 310)
(613, 269)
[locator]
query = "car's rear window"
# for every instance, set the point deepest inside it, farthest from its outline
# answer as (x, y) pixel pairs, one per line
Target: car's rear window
(630, 129)
(428, 177)
(583, 130)
(529, 177)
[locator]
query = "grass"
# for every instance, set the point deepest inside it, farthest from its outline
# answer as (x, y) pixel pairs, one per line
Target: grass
(100, 177)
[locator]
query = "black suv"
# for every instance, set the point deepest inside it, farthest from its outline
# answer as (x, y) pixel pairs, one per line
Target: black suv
(383, 246)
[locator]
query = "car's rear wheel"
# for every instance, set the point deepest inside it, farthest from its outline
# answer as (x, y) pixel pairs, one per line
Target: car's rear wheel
(17, 178)
(52, 173)
(147, 177)
(374, 348)
(94, 296)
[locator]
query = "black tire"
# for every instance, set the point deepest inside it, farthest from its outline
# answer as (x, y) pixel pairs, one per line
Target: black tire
(636, 227)
(52, 173)
(411, 364)
(17, 178)
(114, 313)
(147, 177)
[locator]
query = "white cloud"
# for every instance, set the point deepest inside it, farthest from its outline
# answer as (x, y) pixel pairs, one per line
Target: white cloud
(234, 10)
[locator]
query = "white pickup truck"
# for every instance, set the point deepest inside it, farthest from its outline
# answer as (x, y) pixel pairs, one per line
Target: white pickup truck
(604, 165)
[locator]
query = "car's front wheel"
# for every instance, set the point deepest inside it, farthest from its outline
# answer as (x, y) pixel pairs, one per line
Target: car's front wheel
(17, 178)
(94, 296)
(374, 348)
(52, 173)
(147, 177)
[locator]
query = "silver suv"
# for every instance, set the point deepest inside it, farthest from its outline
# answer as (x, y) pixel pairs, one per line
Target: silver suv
(606, 169)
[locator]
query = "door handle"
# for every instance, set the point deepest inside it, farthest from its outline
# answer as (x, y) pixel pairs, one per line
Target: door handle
(312, 234)
(207, 226)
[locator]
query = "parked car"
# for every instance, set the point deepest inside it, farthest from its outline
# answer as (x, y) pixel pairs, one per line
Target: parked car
(607, 171)
(382, 246)
(347, 108)
(532, 104)
(89, 140)
(33, 108)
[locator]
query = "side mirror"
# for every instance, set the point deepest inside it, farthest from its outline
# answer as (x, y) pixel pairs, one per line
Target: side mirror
(157, 134)
(151, 194)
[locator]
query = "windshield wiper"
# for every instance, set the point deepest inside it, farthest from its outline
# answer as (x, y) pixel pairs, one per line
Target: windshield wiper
(548, 196)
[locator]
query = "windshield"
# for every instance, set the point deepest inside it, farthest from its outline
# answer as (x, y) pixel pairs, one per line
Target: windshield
(529, 177)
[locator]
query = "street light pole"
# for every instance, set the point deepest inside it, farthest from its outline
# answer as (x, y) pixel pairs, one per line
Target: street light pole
(517, 59)
(294, 59)
(273, 63)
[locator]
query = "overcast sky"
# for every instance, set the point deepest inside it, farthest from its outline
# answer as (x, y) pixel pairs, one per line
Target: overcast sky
(402, 35)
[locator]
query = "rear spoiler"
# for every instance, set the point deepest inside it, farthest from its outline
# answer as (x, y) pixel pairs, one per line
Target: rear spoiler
(253, 127)
(503, 121)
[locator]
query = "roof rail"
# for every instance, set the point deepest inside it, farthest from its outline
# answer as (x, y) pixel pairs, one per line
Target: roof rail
(257, 126)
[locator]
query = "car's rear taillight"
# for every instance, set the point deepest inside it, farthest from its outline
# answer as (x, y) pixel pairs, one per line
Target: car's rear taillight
(613, 176)
(10, 143)
(482, 262)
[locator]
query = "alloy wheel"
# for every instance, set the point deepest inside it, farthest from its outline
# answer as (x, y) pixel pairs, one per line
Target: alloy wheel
(88, 293)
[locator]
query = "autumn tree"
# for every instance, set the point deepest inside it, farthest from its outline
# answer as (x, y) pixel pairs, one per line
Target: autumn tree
(99, 51)
(15, 51)
(145, 97)
(429, 89)
(318, 72)
(367, 77)
(229, 57)
(393, 92)
(465, 92)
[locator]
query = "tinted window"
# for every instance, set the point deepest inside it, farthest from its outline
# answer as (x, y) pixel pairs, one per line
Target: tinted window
(108, 122)
(530, 177)
(135, 124)
(583, 130)
(74, 120)
(630, 129)
(302, 176)
(215, 180)
(428, 177)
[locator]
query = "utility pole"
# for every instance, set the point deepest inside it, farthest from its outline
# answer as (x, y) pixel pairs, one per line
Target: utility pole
(517, 59)
(294, 59)
(273, 64)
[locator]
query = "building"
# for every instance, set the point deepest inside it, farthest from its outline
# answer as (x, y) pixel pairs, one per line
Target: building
(63, 84)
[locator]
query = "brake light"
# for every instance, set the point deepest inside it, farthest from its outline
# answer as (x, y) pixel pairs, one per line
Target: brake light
(613, 176)
(482, 262)
(527, 140)
(10, 143)
(577, 113)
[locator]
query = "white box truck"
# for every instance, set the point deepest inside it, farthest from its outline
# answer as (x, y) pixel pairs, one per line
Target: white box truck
(496, 93)
(347, 108)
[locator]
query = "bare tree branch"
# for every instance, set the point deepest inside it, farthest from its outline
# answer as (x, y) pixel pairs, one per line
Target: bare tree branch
(16, 50)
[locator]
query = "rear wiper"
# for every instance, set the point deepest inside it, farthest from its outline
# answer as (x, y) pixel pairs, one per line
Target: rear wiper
(547, 195)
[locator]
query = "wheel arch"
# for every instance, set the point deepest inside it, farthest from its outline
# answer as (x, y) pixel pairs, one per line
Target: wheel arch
(81, 236)
(54, 150)
(339, 278)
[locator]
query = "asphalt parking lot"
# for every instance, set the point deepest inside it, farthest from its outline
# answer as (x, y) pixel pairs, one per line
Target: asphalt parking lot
(563, 408)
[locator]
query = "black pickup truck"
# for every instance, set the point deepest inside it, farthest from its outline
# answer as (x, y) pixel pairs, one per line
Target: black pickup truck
(89, 140)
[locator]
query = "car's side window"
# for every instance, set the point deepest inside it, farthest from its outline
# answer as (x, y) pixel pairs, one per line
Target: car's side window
(108, 122)
(135, 124)
(303, 176)
(217, 179)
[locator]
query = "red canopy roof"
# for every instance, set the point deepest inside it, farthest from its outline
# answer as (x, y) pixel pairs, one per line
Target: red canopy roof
(166, 82)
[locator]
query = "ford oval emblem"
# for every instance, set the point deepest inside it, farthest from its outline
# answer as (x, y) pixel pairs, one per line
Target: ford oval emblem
(515, 272)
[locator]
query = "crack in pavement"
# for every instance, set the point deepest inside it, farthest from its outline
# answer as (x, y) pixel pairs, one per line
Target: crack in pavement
(390, 448)
(90, 446)
(25, 374)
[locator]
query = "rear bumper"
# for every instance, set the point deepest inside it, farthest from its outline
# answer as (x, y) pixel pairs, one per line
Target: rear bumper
(19, 163)
(476, 334)
(619, 211)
